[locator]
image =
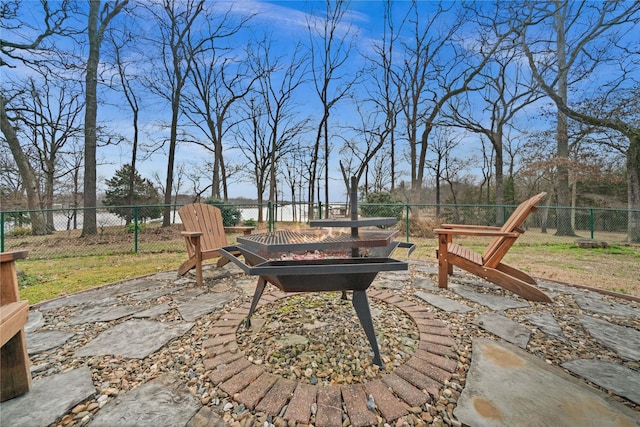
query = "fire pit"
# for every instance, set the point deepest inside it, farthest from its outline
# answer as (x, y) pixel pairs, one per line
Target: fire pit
(328, 269)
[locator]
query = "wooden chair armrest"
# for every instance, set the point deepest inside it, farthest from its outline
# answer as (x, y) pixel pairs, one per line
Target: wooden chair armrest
(13, 317)
(475, 232)
(12, 256)
(471, 227)
(191, 233)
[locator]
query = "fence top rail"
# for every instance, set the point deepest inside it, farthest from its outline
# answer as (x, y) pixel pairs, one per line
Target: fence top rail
(264, 205)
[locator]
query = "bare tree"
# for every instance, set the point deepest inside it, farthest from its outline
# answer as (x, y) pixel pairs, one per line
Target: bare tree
(358, 153)
(100, 16)
(50, 113)
(385, 93)
(71, 187)
(277, 87)
(331, 42)
(442, 146)
(605, 34)
(11, 187)
(175, 22)
(293, 173)
(21, 43)
(252, 141)
(429, 78)
(126, 81)
(219, 81)
(274, 124)
(504, 91)
(486, 169)
(453, 174)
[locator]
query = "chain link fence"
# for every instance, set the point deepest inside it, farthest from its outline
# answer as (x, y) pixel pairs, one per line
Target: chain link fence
(141, 230)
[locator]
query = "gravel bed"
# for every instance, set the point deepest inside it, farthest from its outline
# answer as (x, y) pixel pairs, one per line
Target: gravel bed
(317, 338)
(334, 349)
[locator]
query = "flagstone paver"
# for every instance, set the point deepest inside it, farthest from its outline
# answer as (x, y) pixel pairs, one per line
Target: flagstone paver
(610, 375)
(40, 341)
(443, 303)
(547, 324)
(504, 327)
(494, 302)
(621, 339)
(507, 386)
(163, 401)
(204, 304)
(595, 303)
(46, 402)
(136, 338)
(102, 313)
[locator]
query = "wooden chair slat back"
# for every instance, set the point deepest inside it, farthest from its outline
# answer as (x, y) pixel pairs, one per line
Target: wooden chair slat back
(499, 246)
(206, 219)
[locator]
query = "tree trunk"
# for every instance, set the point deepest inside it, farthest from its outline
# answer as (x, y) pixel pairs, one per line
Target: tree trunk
(48, 197)
(633, 185)
(89, 222)
(499, 163)
(562, 135)
(166, 217)
(38, 223)
(215, 179)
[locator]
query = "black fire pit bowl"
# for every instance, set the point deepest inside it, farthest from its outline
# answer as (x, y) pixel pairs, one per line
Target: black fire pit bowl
(325, 275)
(318, 275)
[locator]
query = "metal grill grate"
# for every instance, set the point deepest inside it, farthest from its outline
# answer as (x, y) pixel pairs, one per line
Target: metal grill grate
(315, 240)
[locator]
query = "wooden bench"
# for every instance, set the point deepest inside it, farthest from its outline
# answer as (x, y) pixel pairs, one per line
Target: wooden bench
(15, 377)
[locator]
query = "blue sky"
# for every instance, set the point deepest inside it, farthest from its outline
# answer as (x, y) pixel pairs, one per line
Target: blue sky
(287, 22)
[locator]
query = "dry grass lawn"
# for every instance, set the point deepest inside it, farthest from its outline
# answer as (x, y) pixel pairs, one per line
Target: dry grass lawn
(616, 268)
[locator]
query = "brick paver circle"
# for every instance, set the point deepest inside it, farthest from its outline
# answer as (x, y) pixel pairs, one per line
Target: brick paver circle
(412, 384)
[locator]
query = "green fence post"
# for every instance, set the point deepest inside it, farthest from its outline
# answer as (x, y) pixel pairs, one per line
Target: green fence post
(406, 216)
(135, 229)
(591, 222)
(504, 214)
(1, 231)
(319, 210)
(269, 216)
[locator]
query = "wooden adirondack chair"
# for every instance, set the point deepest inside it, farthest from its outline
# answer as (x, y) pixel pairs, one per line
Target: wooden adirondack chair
(489, 265)
(204, 235)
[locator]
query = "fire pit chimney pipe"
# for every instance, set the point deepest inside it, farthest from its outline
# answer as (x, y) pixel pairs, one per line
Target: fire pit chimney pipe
(355, 252)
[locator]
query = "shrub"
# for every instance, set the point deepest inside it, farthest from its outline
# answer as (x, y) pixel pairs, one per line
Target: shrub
(382, 204)
(250, 223)
(21, 231)
(131, 227)
(419, 227)
(230, 213)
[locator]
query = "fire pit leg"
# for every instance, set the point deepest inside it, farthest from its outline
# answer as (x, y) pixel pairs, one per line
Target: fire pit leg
(256, 297)
(361, 305)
